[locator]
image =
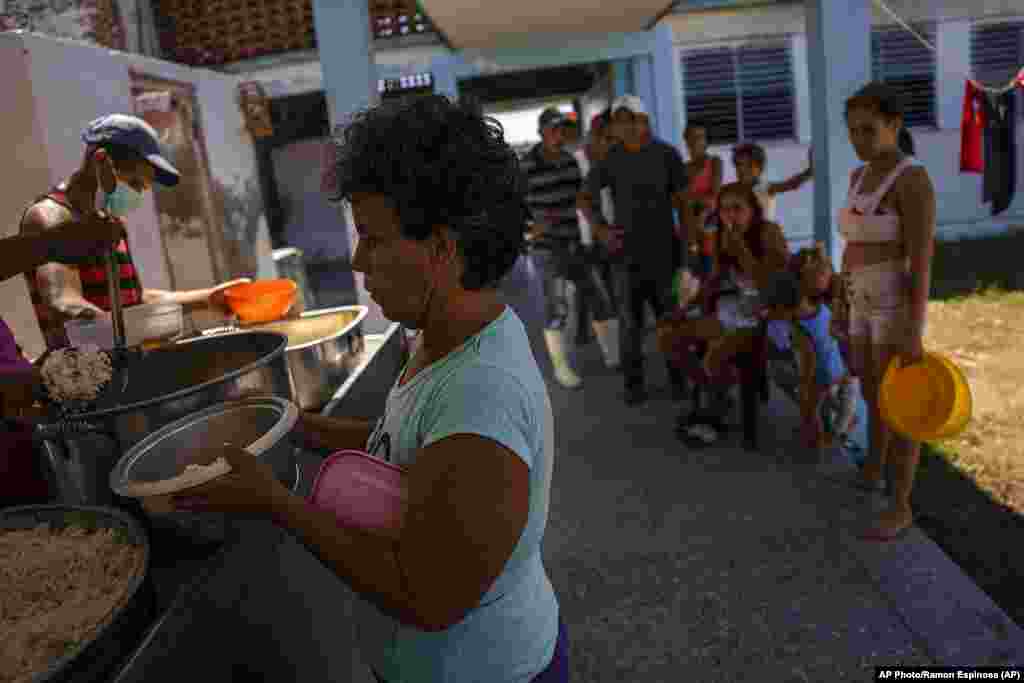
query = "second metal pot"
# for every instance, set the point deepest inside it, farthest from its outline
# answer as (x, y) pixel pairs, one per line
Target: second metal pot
(321, 351)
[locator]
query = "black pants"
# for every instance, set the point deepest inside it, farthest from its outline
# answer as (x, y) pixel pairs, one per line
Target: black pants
(558, 262)
(636, 286)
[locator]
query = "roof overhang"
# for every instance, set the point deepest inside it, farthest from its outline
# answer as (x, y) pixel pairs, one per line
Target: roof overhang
(483, 24)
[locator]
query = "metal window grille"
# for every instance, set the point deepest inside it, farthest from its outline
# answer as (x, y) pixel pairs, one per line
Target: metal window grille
(900, 60)
(742, 92)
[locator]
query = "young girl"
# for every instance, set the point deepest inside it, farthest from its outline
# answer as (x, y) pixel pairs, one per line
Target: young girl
(799, 319)
(705, 173)
(888, 225)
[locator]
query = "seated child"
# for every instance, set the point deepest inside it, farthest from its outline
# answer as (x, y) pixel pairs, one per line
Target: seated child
(813, 267)
(827, 390)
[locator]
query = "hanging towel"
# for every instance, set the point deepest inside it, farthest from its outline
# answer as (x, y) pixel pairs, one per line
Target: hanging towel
(972, 131)
(1000, 149)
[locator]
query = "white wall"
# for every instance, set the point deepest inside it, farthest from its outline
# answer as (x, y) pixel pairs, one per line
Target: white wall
(24, 176)
(72, 83)
(960, 211)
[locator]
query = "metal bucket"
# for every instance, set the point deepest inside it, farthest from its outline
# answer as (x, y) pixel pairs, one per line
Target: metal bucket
(292, 265)
(161, 386)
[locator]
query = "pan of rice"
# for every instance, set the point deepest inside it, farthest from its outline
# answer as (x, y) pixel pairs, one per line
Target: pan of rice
(77, 594)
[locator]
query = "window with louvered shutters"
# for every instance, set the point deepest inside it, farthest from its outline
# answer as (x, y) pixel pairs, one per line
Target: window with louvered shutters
(997, 52)
(901, 61)
(742, 92)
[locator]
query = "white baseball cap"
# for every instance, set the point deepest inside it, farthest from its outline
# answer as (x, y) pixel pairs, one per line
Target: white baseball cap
(631, 103)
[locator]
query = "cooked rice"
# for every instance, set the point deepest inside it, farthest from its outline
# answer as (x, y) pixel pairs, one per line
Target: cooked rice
(76, 374)
(58, 587)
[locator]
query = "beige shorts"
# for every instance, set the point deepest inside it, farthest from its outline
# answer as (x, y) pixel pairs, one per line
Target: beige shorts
(880, 303)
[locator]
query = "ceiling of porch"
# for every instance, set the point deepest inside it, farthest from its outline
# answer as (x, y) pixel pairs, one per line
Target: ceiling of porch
(482, 24)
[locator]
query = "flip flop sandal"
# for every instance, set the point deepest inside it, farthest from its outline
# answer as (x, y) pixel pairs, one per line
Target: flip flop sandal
(701, 435)
(880, 535)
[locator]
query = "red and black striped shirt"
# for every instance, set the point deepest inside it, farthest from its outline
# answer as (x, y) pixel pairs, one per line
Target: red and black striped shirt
(93, 274)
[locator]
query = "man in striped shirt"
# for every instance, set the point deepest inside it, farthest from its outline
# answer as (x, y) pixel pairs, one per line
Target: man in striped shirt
(553, 181)
(122, 160)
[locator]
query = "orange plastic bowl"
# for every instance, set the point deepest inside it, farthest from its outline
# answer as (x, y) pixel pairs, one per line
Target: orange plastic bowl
(262, 301)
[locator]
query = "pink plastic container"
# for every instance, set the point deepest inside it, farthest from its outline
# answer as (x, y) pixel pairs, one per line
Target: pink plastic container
(362, 491)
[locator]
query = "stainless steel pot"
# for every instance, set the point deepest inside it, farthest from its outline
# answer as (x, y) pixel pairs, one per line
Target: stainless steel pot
(321, 352)
(160, 386)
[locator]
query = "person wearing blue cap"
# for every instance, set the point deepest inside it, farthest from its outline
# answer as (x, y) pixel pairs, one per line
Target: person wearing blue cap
(122, 161)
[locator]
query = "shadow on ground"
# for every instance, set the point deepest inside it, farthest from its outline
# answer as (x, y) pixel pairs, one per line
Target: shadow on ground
(967, 266)
(978, 533)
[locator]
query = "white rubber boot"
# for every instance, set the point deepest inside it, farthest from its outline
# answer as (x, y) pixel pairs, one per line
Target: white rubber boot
(556, 349)
(607, 333)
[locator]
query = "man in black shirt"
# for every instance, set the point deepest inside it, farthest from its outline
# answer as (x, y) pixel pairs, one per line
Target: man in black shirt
(553, 184)
(648, 181)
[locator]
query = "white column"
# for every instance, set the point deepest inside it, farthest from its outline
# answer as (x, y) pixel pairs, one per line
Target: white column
(345, 47)
(839, 62)
(952, 65)
(350, 84)
(643, 83)
(801, 86)
(667, 85)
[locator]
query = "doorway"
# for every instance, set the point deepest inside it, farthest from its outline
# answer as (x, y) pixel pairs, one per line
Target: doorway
(191, 226)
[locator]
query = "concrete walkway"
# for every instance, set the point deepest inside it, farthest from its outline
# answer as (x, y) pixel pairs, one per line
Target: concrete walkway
(722, 565)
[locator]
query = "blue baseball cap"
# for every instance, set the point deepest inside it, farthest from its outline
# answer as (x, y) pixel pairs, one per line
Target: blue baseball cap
(134, 133)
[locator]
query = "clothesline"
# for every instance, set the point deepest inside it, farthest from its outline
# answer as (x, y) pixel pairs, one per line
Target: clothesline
(1016, 80)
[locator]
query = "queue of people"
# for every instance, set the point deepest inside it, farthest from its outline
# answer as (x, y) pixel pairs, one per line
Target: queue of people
(730, 244)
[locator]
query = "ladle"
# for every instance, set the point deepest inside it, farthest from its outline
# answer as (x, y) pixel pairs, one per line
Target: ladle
(114, 292)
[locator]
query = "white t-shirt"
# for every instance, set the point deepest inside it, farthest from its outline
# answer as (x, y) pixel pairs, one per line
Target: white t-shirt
(491, 386)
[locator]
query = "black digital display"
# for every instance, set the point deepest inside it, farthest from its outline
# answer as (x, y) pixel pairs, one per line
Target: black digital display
(406, 83)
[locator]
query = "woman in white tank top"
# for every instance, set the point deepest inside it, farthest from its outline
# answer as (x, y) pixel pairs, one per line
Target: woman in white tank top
(889, 227)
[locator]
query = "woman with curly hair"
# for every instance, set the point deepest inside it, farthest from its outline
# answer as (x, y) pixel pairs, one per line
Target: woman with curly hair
(459, 592)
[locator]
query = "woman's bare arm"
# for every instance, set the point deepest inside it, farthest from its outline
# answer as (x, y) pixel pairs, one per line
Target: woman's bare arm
(915, 198)
(318, 432)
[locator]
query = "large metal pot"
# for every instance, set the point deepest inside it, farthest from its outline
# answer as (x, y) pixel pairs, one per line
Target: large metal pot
(321, 352)
(161, 386)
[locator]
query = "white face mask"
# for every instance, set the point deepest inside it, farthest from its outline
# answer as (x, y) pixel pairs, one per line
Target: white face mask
(123, 200)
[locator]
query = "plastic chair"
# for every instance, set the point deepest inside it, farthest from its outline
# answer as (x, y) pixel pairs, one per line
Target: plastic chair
(748, 370)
